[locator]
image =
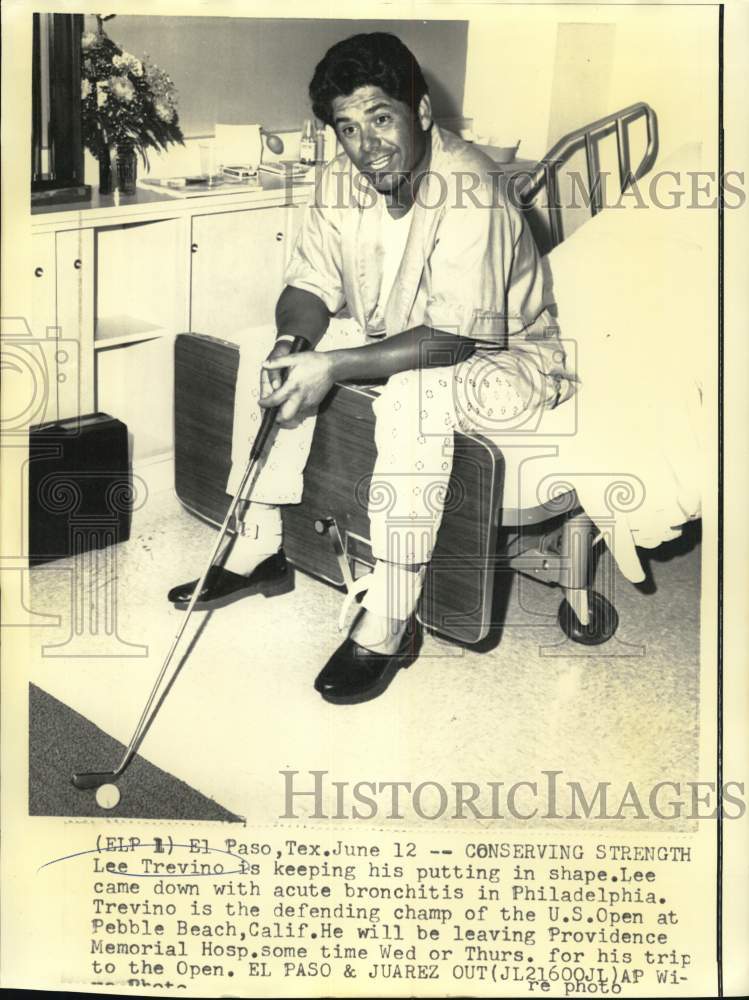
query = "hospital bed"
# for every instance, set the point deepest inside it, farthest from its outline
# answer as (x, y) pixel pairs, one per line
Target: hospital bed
(494, 520)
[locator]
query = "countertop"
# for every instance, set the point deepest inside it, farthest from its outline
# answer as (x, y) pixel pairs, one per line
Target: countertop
(149, 203)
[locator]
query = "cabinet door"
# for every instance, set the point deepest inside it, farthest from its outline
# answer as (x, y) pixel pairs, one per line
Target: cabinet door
(62, 318)
(237, 268)
(43, 288)
(75, 322)
(42, 386)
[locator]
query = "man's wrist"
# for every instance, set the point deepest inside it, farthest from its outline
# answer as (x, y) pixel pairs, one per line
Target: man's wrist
(337, 368)
(286, 338)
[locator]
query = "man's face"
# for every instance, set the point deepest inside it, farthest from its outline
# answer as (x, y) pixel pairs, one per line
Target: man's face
(383, 137)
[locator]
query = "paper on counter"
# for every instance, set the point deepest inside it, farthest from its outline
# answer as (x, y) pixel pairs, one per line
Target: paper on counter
(239, 145)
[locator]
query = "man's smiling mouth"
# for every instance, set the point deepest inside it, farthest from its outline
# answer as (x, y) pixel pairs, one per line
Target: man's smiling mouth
(380, 163)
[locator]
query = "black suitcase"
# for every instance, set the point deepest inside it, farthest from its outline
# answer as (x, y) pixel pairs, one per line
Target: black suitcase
(80, 486)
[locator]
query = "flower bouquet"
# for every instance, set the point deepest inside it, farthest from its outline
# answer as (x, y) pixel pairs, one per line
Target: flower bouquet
(128, 105)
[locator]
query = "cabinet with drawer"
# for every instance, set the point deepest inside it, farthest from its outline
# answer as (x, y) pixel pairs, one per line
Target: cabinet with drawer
(113, 284)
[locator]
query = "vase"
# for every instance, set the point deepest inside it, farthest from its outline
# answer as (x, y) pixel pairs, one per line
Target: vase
(106, 174)
(127, 169)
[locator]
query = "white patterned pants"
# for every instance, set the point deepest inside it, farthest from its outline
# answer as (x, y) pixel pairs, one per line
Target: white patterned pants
(416, 414)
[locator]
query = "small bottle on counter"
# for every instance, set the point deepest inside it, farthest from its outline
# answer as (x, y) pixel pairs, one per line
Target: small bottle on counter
(307, 143)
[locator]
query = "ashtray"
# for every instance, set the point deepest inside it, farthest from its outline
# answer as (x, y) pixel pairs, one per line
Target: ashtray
(239, 174)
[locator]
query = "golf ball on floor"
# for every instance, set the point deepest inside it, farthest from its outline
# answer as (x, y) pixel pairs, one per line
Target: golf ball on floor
(107, 796)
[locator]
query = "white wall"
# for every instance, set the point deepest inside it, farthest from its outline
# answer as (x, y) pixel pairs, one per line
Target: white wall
(666, 56)
(246, 69)
(508, 76)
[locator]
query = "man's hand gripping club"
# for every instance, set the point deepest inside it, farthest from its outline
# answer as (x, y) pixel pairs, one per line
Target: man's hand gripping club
(308, 380)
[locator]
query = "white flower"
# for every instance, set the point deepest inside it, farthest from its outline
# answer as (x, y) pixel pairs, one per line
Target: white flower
(88, 39)
(129, 62)
(101, 94)
(164, 112)
(122, 88)
(85, 89)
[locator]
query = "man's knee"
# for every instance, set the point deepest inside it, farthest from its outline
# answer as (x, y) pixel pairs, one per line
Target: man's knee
(420, 399)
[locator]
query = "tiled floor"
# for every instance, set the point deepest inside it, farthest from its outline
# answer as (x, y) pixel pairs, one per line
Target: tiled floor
(243, 707)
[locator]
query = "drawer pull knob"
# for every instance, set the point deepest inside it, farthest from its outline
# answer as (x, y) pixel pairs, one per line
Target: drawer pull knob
(279, 237)
(77, 263)
(38, 271)
(194, 248)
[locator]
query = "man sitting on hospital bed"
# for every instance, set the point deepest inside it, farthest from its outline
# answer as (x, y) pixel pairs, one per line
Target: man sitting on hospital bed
(409, 238)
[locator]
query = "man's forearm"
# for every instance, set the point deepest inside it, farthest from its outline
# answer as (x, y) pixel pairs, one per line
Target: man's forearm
(420, 347)
(301, 314)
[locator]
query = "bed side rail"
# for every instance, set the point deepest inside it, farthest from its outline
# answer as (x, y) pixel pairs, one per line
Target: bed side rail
(545, 178)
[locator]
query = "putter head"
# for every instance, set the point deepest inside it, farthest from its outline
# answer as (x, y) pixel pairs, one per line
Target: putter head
(94, 779)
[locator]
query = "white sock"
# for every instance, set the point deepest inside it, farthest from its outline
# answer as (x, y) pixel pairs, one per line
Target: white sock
(259, 535)
(394, 590)
(388, 604)
(378, 634)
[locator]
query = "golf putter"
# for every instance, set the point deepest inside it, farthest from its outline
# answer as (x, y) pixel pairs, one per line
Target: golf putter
(95, 779)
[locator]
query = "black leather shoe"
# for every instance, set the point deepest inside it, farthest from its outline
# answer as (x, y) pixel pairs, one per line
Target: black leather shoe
(354, 674)
(271, 577)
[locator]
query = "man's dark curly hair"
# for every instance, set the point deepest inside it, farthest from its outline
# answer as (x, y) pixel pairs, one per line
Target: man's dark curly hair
(377, 59)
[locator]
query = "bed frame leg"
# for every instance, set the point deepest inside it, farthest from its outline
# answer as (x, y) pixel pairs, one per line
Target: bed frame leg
(577, 550)
(585, 616)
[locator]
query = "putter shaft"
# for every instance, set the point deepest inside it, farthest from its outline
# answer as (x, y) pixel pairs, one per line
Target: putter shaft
(94, 779)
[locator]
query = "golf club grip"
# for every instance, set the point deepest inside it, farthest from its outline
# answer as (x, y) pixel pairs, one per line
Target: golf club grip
(298, 344)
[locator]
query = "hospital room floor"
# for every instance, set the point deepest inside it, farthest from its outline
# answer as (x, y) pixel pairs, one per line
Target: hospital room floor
(243, 707)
